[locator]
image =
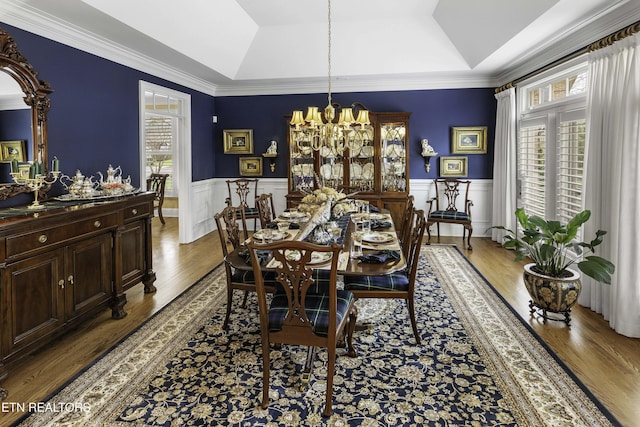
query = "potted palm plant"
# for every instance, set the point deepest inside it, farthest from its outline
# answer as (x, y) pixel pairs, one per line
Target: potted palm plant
(552, 246)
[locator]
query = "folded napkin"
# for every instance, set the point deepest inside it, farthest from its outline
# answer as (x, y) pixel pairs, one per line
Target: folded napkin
(376, 224)
(246, 256)
(380, 257)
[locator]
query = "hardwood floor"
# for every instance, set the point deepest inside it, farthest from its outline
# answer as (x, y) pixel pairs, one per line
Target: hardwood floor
(608, 363)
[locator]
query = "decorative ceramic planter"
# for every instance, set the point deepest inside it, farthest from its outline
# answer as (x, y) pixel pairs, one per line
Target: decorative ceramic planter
(552, 294)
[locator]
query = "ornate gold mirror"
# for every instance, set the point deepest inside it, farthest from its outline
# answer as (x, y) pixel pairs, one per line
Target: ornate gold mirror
(35, 97)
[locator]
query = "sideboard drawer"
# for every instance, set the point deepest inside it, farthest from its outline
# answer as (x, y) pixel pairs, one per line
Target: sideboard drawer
(25, 243)
(137, 211)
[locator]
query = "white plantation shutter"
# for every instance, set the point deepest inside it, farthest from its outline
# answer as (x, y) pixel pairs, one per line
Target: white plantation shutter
(532, 169)
(570, 168)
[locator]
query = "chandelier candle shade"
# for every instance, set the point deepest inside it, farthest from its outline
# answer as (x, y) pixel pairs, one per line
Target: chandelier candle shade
(314, 131)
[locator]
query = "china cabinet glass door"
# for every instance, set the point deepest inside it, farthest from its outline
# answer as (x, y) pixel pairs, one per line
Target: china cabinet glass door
(393, 157)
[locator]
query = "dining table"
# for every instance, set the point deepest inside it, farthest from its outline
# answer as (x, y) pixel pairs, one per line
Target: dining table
(381, 251)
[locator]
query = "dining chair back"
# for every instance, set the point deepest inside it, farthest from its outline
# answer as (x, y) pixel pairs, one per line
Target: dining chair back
(303, 311)
(232, 229)
(451, 207)
(398, 285)
(404, 229)
(157, 182)
(243, 193)
(266, 211)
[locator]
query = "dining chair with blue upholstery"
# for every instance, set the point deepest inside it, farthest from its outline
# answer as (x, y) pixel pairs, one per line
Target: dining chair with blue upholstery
(228, 222)
(398, 285)
(303, 311)
(450, 208)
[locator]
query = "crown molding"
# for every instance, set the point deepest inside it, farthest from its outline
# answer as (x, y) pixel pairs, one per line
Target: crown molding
(23, 16)
(573, 39)
(387, 83)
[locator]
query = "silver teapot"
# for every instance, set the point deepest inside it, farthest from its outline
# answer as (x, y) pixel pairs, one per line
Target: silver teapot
(79, 185)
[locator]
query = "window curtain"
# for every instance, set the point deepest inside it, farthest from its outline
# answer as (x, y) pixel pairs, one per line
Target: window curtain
(504, 164)
(612, 187)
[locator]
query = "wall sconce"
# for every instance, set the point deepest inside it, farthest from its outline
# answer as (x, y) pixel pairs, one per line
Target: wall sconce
(427, 152)
(272, 153)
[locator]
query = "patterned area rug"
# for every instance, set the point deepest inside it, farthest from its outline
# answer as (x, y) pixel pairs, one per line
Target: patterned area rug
(478, 365)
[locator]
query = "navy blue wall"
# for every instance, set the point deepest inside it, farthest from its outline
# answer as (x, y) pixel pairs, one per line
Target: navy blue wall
(434, 112)
(93, 121)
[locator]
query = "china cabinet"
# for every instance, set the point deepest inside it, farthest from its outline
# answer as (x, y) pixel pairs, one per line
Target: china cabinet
(376, 168)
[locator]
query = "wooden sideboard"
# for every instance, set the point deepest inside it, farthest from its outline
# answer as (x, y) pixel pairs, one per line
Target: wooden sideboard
(62, 265)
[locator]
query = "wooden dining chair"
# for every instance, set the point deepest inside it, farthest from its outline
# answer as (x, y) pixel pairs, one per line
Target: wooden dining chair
(399, 285)
(404, 229)
(157, 182)
(243, 193)
(303, 311)
(230, 232)
(266, 211)
(449, 207)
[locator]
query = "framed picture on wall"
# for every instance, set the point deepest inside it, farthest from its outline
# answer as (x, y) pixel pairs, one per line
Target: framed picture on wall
(469, 140)
(238, 141)
(11, 150)
(250, 166)
(453, 167)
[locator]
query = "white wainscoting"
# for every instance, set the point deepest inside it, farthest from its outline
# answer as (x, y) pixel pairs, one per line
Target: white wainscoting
(208, 199)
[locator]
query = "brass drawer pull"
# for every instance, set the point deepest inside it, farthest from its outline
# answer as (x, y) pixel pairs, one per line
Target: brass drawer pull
(42, 238)
(97, 224)
(134, 211)
(61, 283)
(70, 280)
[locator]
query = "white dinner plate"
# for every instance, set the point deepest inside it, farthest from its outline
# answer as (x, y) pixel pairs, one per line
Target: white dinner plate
(320, 257)
(377, 237)
(356, 170)
(275, 235)
(367, 171)
(378, 216)
(366, 151)
(293, 215)
(326, 171)
(337, 171)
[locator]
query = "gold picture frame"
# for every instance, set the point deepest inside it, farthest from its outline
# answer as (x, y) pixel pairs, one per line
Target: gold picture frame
(250, 166)
(451, 166)
(238, 141)
(11, 150)
(469, 140)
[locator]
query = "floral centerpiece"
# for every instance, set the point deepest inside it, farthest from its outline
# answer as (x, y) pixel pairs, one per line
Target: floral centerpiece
(319, 197)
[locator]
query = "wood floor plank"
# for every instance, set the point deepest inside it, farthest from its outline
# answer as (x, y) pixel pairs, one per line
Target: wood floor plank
(608, 363)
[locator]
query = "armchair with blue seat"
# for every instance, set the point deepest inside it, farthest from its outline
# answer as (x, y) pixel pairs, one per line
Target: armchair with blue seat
(448, 207)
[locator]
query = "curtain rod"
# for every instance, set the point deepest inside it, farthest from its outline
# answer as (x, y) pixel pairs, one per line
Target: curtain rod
(602, 43)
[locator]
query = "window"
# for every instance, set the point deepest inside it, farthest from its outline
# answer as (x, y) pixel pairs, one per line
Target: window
(551, 144)
(162, 114)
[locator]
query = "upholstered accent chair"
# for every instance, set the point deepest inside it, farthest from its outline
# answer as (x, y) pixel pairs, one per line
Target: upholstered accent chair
(303, 311)
(451, 205)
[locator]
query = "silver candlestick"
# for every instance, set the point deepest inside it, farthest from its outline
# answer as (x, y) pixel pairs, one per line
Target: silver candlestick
(36, 180)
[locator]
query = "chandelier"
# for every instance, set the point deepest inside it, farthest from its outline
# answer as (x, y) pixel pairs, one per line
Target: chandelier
(313, 131)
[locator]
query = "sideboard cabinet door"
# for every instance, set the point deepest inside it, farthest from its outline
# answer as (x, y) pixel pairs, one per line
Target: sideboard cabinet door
(33, 297)
(88, 274)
